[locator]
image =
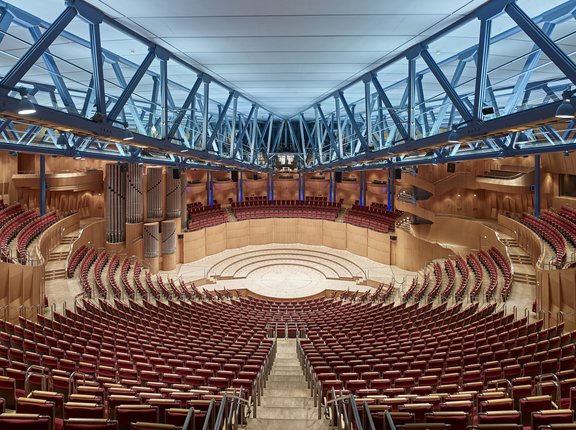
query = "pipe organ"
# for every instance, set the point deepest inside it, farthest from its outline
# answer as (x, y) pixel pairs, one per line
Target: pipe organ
(168, 237)
(173, 198)
(151, 240)
(116, 203)
(154, 191)
(134, 197)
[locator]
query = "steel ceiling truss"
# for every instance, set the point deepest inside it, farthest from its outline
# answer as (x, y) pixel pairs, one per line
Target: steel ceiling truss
(195, 131)
(203, 125)
(376, 131)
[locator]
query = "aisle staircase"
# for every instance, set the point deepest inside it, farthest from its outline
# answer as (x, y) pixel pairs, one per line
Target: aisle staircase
(56, 263)
(286, 404)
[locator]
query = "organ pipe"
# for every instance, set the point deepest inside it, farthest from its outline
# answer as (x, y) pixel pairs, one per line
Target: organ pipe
(168, 237)
(135, 204)
(154, 191)
(173, 198)
(151, 240)
(183, 186)
(116, 203)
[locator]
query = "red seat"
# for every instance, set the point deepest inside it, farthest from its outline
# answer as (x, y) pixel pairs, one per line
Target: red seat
(126, 414)
(25, 422)
(90, 424)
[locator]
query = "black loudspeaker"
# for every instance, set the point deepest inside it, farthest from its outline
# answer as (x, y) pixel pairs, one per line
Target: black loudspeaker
(451, 167)
(338, 177)
(255, 176)
(234, 175)
(175, 173)
(397, 173)
(123, 167)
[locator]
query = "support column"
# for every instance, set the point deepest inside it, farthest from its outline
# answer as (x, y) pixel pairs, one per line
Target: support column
(240, 187)
(362, 188)
(390, 189)
(210, 189)
(537, 186)
(270, 186)
(42, 185)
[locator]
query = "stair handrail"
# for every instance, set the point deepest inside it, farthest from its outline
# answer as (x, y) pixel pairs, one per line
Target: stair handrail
(208, 415)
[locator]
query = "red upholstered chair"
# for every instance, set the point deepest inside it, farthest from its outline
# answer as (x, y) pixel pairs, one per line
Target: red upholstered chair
(83, 410)
(42, 407)
(553, 416)
(57, 398)
(90, 424)
(25, 422)
(499, 417)
(8, 391)
(533, 404)
(116, 400)
(177, 416)
(153, 426)
(163, 405)
(457, 420)
(127, 414)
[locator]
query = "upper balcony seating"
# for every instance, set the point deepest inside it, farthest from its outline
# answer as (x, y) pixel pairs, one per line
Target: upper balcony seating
(260, 207)
(375, 217)
(11, 227)
(200, 216)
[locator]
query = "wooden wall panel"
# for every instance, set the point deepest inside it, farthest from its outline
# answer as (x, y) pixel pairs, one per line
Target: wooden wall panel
(285, 189)
(224, 190)
(379, 247)
(237, 234)
(285, 230)
(310, 231)
(254, 188)
(261, 231)
(334, 234)
(349, 192)
(215, 239)
(357, 240)
(316, 187)
(194, 247)
(413, 253)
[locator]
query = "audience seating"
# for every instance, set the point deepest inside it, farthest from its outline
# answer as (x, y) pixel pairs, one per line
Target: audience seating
(200, 216)
(255, 208)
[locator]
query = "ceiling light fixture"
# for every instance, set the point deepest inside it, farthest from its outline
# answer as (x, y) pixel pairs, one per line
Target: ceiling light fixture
(454, 137)
(127, 135)
(566, 108)
(25, 106)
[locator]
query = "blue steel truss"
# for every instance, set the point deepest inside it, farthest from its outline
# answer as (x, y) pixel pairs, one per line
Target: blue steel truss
(206, 124)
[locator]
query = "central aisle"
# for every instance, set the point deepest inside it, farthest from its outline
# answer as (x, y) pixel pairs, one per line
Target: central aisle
(286, 404)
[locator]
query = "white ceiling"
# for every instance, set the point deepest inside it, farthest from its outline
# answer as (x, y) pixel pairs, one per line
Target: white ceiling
(283, 54)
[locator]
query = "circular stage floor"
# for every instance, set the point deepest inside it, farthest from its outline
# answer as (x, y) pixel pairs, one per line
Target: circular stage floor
(290, 270)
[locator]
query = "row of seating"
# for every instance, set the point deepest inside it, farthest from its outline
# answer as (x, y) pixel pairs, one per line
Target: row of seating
(200, 216)
(312, 208)
(10, 229)
(75, 259)
(29, 232)
(549, 234)
(131, 354)
(375, 217)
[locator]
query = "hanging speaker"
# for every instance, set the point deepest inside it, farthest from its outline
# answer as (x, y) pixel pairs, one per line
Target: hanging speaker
(451, 167)
(397, 173)
(234, 175)
(175, 173)
(255, 176)
(338, 177)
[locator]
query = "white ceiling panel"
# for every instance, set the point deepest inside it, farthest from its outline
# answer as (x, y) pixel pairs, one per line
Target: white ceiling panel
(285, 54)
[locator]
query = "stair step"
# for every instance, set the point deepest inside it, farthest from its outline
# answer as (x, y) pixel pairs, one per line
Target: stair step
(272, 424)
(289, 372)
(286, 384)
(287, 413)
(292, 392)
(287, 378)
(288, 402)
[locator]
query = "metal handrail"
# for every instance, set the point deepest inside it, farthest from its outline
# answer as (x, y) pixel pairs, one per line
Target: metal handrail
(43, 376)
(208, 414)
(223, 406)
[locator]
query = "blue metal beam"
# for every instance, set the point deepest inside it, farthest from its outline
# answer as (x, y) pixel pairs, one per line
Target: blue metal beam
(219, 124)
(331, 138)
(98, 68)
(364, 145)
(446, 86)
(547, 45)
(242, 132)
(25, 62)
(189, 100)
(131, 86)
(482, 68)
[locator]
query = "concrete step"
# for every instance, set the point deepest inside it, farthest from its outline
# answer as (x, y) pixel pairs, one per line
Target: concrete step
(286, 372)
(286, 384)
(287, 392)
(287, 413)
(286, 367)
(287, 378)
(288, 402)
(273, 424)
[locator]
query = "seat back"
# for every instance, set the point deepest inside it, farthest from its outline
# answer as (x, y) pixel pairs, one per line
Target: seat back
(8, 391)
(25, 422)
(127, 414)
(42, 407)
(90, 424)
(83, 410)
